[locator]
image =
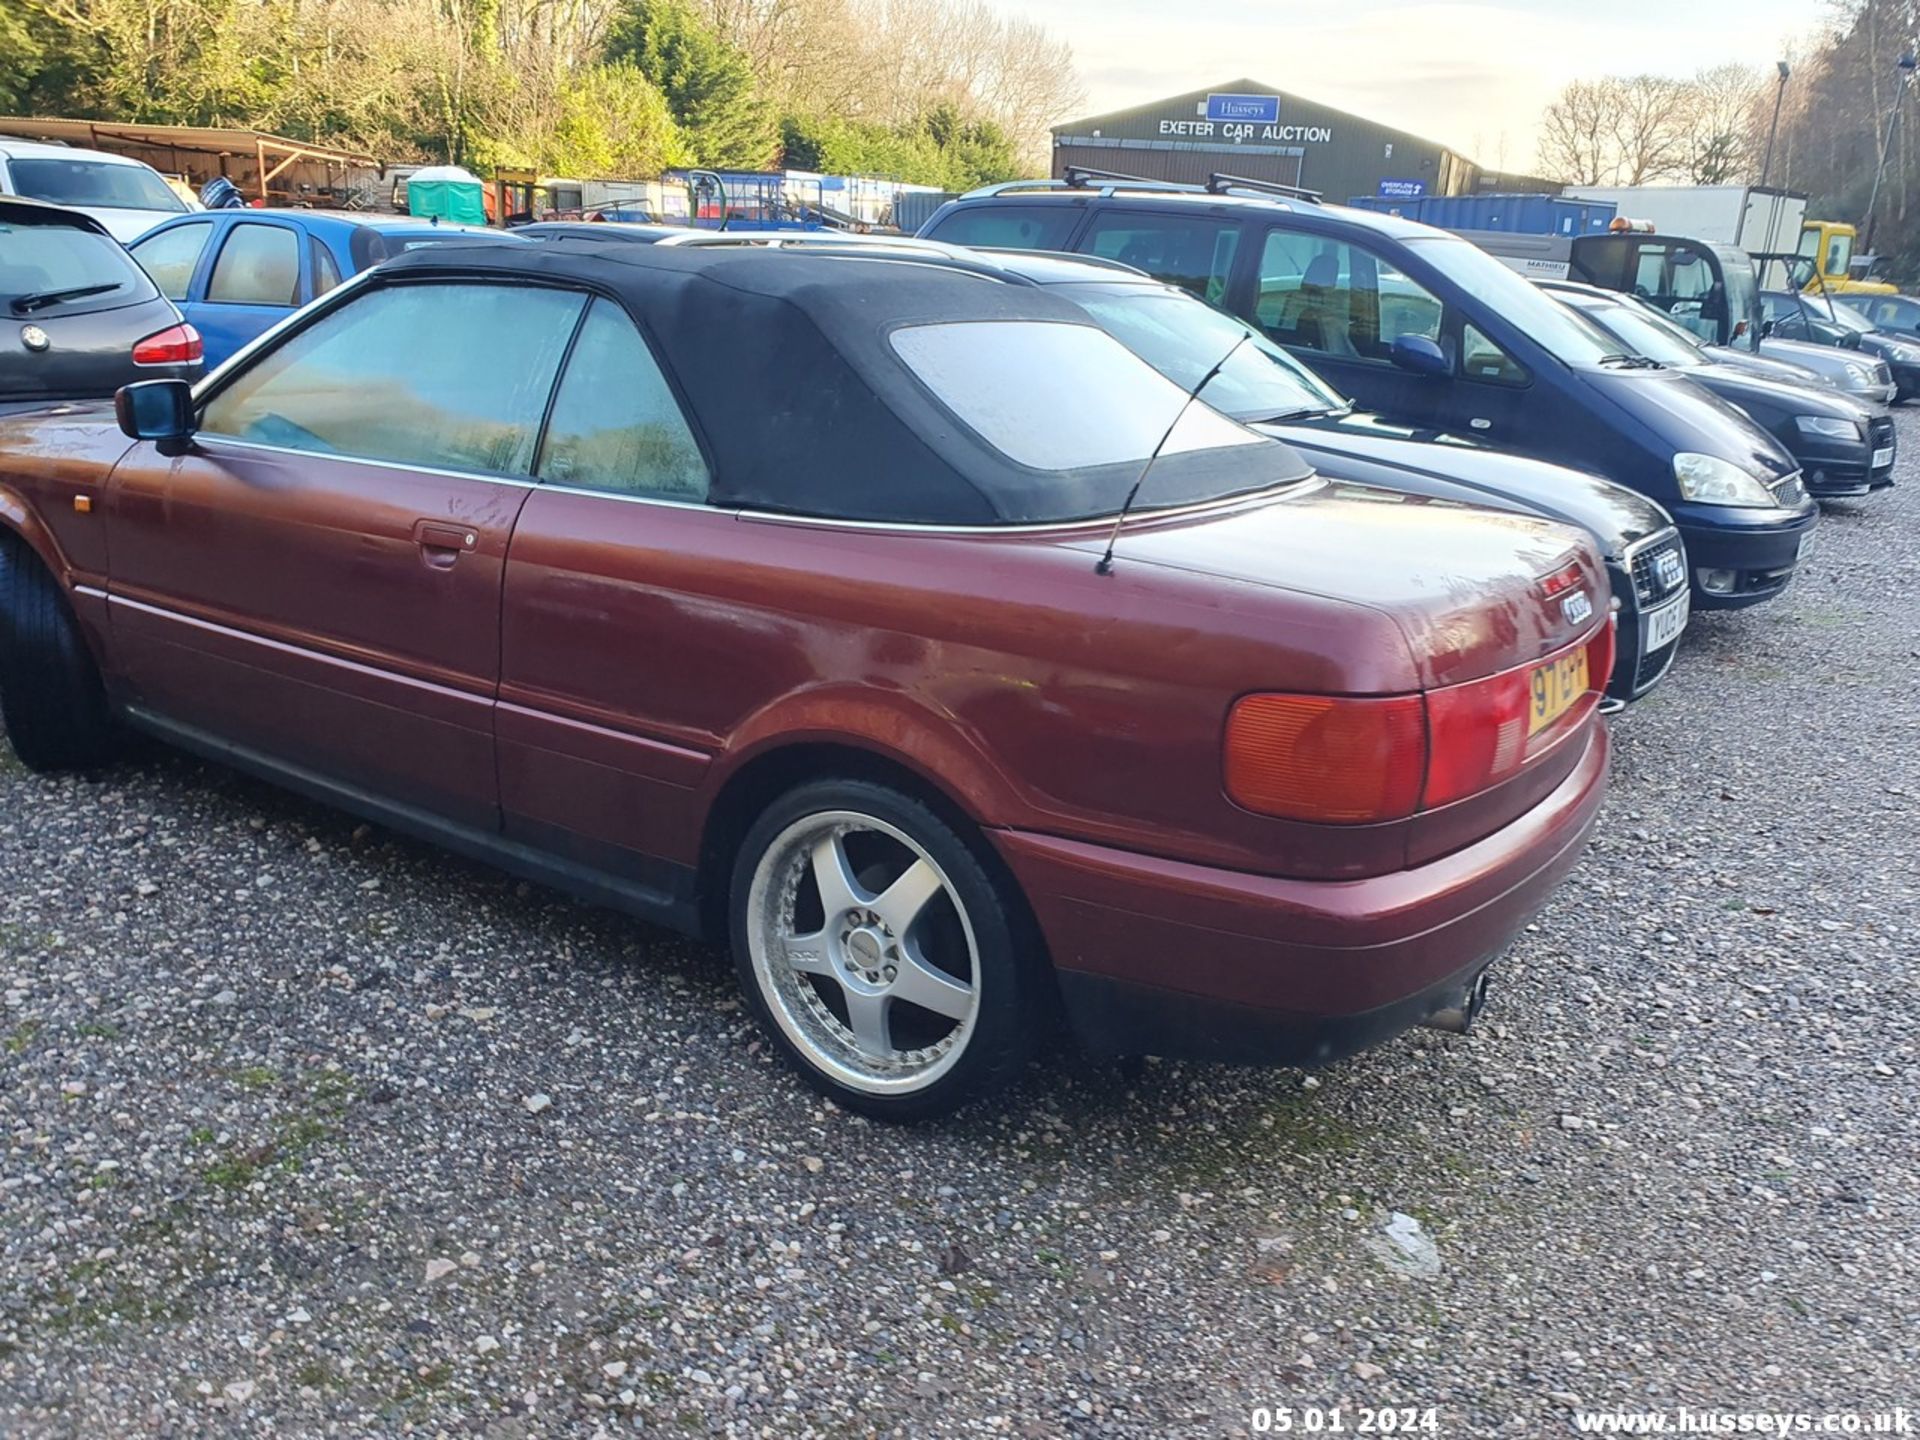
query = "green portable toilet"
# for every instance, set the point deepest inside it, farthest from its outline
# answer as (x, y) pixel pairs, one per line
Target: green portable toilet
(447, 192)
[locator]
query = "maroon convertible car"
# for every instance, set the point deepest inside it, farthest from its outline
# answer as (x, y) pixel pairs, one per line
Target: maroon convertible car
(761, 594)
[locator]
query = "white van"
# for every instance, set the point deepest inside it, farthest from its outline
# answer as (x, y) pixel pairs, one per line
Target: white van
(124, 195)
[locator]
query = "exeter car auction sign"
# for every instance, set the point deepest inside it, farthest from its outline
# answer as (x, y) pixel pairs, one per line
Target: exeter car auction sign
(1242, 118)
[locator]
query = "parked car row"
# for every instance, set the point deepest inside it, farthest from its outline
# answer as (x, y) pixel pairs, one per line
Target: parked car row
(974, 639)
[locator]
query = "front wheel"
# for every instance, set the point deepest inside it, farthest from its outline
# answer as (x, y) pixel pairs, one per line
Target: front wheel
(887, 961)
(50, 693)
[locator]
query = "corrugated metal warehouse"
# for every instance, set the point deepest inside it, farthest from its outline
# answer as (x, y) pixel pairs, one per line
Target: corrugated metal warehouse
(1245, 128)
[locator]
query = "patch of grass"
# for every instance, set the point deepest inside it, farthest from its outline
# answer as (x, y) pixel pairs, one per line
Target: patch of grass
(97, 1030)
(316, 1374)
(255, 1077)
(22, 1036)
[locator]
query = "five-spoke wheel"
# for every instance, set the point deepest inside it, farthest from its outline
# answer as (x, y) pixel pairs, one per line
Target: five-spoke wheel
(879, 949)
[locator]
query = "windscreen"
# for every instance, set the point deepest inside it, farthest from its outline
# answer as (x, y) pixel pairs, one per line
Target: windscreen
(1638, 331)
(41, 262)
(94, 183)
(1567, 336)
(1183, 338)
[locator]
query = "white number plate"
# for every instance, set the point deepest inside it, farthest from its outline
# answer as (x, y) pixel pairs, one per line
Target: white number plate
(1665, 624)
(1883, 456)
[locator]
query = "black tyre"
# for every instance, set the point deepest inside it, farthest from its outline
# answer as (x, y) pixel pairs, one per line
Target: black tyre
(882, 952)
(50, 694)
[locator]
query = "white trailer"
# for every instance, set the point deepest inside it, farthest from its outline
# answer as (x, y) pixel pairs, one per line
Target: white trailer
(1757, 218)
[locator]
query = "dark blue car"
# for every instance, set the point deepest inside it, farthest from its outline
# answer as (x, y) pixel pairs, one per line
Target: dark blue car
(1427, 330)
(235, 273)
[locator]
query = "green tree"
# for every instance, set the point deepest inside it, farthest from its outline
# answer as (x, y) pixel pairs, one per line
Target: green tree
(708, 84)
(612, 121)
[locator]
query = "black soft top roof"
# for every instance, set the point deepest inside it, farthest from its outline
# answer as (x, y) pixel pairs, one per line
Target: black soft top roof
(785, 362)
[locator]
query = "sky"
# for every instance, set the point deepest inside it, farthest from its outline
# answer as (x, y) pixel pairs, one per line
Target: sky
(1474, 76)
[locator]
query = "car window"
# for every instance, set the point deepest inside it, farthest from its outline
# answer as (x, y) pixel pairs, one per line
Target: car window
(1339, 299)
(410, 374)
(326, 274)
(171, 256)
(258, 265)
(1054, 396)
(1184, 341)
(1009, 227)
(1482, 359)
(1194, 253)
(616, 425)
(98, 183)
(47, 260)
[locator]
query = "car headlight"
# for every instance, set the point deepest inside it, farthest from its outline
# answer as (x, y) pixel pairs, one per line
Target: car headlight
(1709, 480)
(1830, 426)
(1905, 354)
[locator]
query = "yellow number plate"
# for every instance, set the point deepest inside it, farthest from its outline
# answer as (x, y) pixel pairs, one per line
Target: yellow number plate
(1555, 687)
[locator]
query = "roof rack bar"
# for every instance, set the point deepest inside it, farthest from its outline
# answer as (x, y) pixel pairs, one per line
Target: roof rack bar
(1004, 186)
(1082, 177)
(1220, 184)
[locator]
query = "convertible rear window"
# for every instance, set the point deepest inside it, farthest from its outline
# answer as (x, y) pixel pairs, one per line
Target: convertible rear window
(1053, 396)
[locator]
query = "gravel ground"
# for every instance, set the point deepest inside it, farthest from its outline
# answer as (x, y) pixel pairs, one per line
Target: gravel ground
(310, 1131)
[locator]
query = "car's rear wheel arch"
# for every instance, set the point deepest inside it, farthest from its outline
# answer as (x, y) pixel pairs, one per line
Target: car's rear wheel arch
(758, 782)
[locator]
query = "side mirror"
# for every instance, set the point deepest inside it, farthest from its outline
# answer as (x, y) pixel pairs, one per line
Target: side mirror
(1419, 355)
(156, 410)
(1766, 328)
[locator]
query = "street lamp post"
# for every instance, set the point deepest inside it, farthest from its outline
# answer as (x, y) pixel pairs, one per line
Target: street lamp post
(1766, 168)
(1906, 68)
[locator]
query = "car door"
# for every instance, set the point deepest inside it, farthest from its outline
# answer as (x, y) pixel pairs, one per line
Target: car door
(615, 674)
(1200, 253)
(317, 581)
(171, 257)
(1340, 306)
(254, 281)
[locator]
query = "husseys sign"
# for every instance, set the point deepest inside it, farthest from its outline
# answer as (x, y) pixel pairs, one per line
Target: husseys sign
(1239, 119)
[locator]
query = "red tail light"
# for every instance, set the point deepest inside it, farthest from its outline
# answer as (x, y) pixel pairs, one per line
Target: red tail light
(1356, 760)
(176, 345)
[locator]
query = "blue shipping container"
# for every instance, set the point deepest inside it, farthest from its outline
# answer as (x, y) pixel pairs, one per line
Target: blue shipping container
(1515, 214)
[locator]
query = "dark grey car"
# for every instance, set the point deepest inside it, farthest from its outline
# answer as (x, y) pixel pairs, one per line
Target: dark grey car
(78, 317)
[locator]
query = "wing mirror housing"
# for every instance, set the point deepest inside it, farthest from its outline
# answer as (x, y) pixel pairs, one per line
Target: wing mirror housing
(1766, 328)
(157, 410)
(1419, 355)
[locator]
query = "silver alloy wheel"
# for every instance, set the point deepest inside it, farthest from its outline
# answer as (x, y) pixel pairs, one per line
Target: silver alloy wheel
(864, 952)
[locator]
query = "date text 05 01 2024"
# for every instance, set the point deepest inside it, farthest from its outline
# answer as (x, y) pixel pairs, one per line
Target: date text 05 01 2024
(1342, 1420)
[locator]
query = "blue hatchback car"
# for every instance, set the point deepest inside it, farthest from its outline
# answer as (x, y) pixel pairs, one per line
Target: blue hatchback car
(235, 273)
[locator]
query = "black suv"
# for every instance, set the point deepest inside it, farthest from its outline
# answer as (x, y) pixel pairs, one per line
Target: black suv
(1433, 332)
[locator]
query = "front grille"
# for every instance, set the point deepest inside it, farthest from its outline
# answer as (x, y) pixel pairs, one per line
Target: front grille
(1790, 491)
(1880, 428)
(1650, 585)
(1882, 373)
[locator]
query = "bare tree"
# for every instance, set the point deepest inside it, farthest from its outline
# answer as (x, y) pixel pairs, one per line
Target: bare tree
(1577, 133)
(1723, 124)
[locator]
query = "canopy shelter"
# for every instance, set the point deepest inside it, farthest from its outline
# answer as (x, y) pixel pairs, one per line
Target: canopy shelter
(447, 192)
(267, 168)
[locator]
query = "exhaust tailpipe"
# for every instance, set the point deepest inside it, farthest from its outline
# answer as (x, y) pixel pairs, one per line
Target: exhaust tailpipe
(1458, 1017)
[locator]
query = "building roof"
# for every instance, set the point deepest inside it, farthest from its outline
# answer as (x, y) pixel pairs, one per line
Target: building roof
(1242, 86)
(201, 139)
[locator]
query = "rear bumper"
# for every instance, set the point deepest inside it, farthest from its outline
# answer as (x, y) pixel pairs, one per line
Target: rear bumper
(1163, 958)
